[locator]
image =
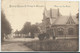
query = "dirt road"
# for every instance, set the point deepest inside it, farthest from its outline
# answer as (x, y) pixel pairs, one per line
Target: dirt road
(15, 47)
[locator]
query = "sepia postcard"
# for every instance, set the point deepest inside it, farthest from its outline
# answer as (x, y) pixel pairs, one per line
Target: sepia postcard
(31, 25)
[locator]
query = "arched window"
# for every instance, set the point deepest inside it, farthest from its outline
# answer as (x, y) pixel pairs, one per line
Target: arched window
(70, 31)
(60, 31)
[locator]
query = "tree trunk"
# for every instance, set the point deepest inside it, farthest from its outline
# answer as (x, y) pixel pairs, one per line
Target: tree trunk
(2, 37)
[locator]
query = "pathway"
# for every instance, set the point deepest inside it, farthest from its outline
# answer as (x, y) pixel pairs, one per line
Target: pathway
(15, 47)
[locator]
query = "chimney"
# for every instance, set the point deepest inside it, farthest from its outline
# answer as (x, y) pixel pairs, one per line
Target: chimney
(50, 13)
(58, 13)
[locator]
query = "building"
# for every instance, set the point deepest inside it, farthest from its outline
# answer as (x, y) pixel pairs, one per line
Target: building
(59, 25)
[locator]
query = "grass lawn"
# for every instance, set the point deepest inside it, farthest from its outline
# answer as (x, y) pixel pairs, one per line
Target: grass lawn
(54, 45)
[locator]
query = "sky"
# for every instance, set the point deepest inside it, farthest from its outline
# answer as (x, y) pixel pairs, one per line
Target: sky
(18, 12)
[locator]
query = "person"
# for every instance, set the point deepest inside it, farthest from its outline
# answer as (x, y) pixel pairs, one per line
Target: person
(54, 37)
(47, 35)
(29, 34)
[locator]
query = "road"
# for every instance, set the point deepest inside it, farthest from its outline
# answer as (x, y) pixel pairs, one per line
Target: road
(16, 45)
(22, 39)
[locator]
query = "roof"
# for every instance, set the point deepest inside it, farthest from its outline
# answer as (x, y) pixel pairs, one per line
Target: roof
(58, 19)
(64, 19)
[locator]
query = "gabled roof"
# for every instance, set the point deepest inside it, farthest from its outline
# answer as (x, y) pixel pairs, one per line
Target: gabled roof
(70, 20)
(64, 19)
(58, 19)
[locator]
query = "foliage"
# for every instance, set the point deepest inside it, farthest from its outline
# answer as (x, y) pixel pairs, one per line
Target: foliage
(29, 28)
(43, 36)
(16, 32)
(77, 15)
(5, 26)
(34, 29)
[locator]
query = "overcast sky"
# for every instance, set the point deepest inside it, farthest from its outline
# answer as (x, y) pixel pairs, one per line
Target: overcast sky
(18, 12)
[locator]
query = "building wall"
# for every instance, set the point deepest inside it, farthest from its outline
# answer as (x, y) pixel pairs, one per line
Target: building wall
(59, 30)
(63, 30)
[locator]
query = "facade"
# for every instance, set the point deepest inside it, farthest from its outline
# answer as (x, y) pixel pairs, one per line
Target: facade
(59, 25)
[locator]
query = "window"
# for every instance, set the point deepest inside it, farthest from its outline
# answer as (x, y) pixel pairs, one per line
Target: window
(60, 31)
(70, 31)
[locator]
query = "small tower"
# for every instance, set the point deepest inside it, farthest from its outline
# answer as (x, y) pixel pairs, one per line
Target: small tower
(50, 12)
(58, 13)
(45, 12)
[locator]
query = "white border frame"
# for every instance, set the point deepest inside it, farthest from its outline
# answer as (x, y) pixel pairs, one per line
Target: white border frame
(41, 0)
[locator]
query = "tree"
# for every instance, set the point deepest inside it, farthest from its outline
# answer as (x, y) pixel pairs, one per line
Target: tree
(26, 28)
(29, 28)
(77, 16)
(34, 29)
(16, 32)
(5, 26)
